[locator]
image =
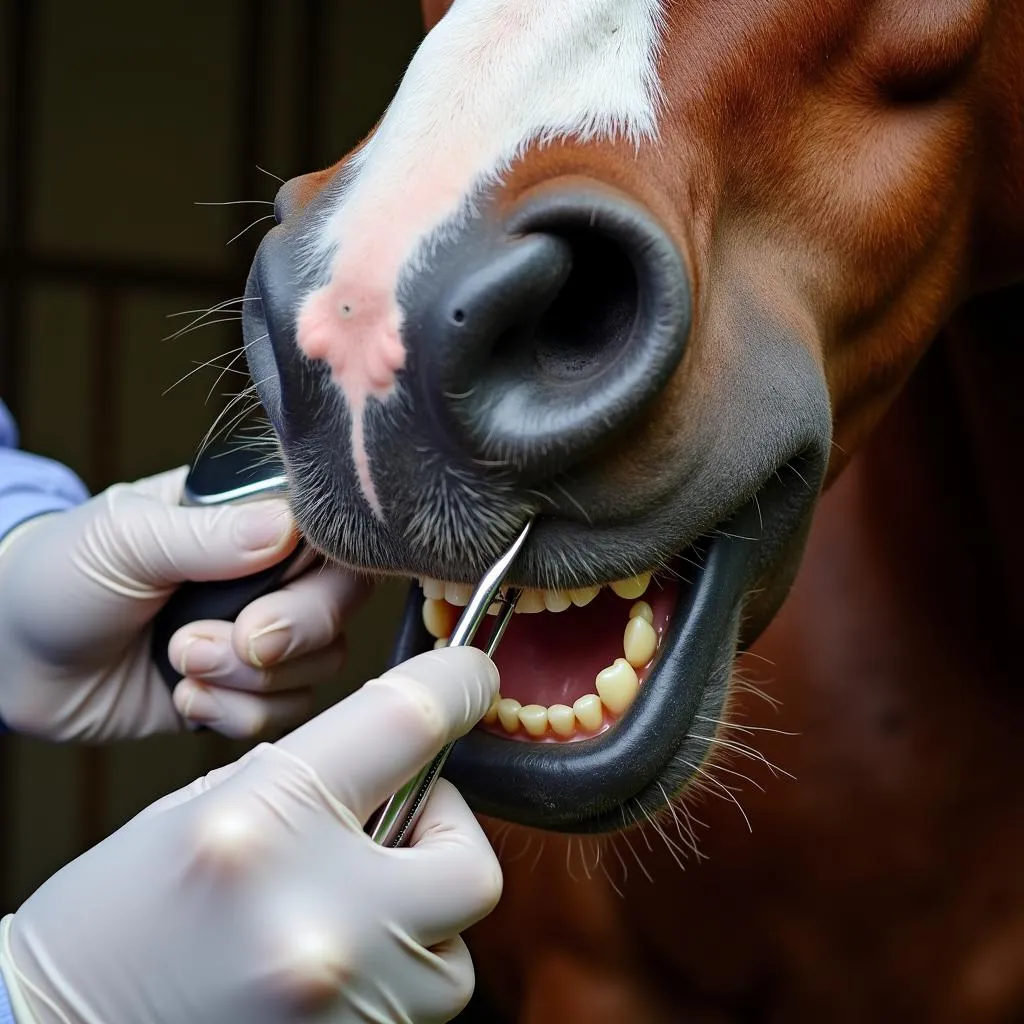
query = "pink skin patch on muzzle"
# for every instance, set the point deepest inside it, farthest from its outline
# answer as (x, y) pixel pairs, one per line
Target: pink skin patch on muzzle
(354, 328)
(354, 322)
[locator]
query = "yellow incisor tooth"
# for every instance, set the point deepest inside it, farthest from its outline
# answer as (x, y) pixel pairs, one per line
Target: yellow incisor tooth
(432, 589)
(508, 714)
(491, 715)
(642, 610)
(556, 600)
(437, 617)
(617, 685)
(583, 596)
(440, 642)
(562, 719)
(589, 712)
(534, 718)
(639, 642)
(531, 602)
(458, 594)
(632, 588)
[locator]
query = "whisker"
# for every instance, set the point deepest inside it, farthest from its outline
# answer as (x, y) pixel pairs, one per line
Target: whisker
(201, 366)
(237, 202)
(212, 309)
(192, 328)
(258, 220)
(624, 836)
(717, 766)
(536, 860)
(239, 354)
(670, 804)
(741, 748)
(800, 475)
(219, 307)
(723, 789)
(271, 174)
(579, 508)
(745, 728)
(673, 850)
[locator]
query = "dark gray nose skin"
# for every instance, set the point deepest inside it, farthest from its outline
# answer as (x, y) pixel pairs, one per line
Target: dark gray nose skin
(532, 338)
(534, 332)
(284, 271)
(529, 338)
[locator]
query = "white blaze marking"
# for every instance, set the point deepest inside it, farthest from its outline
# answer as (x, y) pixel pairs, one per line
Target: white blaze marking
(491, 78)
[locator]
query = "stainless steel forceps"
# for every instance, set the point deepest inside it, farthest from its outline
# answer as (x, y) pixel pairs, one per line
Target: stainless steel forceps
(395, 823)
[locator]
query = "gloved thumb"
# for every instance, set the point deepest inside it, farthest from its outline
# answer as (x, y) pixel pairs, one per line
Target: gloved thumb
(143, 540)
(375, 740)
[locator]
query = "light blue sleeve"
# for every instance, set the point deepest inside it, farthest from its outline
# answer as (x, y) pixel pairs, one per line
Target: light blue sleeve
(6, 1013)
(30, 484)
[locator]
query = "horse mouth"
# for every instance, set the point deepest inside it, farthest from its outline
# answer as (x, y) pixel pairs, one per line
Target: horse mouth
(608, 691)
(572, 661)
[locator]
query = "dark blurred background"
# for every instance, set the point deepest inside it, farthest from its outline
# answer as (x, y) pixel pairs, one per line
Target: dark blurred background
(116, 119)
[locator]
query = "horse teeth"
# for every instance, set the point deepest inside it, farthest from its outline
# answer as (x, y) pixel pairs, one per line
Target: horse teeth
(642, 610)
(437, 617)
(508, 714)
(562, 719)
(530, 602)
(458, 594)
(639, 642)
(534, 718)
(617, 686)
(589, 712)
(632, 588)
(582, 596)
(556, 600)
(492, 712)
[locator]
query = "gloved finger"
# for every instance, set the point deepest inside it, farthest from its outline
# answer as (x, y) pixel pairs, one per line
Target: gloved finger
(302, 616)
(239, 715)
(371, 743)
(152, 544)
(207, 656)
(457, 878)
(167, 487)
(195, 788)
(442, 982)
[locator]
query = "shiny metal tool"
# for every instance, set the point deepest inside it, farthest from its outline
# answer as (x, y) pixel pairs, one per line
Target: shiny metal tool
(398, 816)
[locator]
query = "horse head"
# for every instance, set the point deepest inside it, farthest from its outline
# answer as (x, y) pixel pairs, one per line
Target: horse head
(649, 271)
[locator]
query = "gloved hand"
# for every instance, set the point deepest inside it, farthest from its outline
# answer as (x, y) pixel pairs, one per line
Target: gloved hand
(254, 896)
(79, 589)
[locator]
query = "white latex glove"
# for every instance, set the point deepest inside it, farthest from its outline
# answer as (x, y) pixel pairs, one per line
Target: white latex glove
(79, 589)
(254, 897)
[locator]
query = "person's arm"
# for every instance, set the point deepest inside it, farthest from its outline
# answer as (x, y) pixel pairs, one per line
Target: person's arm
(31, 485)
(6, 1013)
(254, 894)
(79, 589)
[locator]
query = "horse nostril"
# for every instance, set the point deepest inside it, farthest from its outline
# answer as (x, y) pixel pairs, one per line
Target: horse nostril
(591, 319)
(552, 330)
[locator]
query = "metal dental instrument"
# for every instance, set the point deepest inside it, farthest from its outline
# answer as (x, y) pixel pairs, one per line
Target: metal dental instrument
(395, 823)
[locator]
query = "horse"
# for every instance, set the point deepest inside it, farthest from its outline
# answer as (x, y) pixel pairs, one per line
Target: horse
(725, 293)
